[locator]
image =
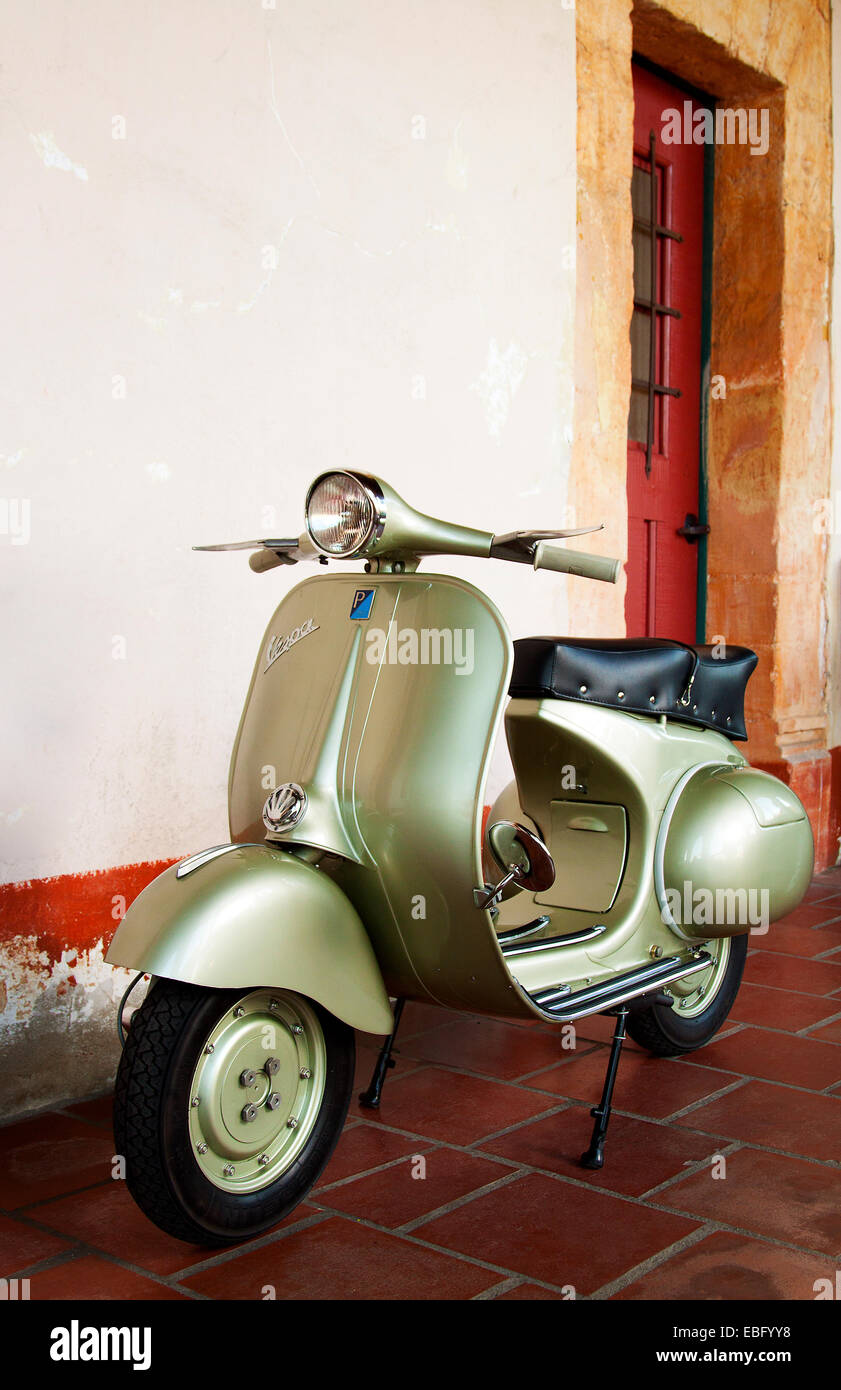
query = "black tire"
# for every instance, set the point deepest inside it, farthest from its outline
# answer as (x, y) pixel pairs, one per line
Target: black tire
(151, 1119)
(665, 1033)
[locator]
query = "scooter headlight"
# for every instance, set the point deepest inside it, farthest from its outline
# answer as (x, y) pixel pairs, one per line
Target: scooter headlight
(341, 514)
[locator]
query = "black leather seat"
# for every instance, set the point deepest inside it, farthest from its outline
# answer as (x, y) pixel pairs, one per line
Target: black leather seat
(643, 675)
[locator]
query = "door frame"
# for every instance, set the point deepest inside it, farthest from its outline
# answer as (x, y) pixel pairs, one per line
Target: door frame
(704, 99)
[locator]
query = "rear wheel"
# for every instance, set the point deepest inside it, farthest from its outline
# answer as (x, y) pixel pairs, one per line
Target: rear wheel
(228, 1105)
(702, 1003)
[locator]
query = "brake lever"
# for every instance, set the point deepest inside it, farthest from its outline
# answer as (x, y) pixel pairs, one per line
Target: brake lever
(253, 545)
(520, 546)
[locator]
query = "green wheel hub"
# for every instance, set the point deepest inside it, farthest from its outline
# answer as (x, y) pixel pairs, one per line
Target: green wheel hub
(257, 1090)
(695, 994)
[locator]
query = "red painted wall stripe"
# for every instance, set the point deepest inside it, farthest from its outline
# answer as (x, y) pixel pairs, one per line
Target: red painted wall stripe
(72, 910)
(75, 911)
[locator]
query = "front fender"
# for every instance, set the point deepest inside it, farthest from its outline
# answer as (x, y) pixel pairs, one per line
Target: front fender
(255, 915)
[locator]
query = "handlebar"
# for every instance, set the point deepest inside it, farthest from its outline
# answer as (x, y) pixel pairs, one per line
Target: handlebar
(564, 561)
(263, 560)
(523, 547)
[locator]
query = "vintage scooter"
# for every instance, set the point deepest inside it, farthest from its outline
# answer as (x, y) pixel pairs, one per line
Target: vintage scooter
(621, 872)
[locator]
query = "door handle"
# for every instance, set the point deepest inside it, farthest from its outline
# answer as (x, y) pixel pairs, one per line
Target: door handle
(692, 529)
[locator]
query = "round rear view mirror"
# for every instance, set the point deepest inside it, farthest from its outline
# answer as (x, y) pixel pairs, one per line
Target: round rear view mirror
(519, 853)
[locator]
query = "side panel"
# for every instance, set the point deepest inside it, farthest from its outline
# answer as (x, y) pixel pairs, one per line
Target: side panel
(591, 757)
(257, 916)
(387, 721)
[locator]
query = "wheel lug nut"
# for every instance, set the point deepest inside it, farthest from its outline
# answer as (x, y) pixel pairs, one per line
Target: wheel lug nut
(263, 1160)
(201, 1148)
(292, 1123)
(209, 1048)
(194, 1102)
(273, 1101)
(272, 1067)
(249, 1112)
(247, 1077)
(297, 1028)
(239, 1011)
(229, 1170)
(305, 1073)
(273, 1004)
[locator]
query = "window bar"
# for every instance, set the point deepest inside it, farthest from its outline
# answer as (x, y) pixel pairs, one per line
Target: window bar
(652, 305)
(652, 334)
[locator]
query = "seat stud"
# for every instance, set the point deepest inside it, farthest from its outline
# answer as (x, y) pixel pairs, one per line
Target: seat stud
(620, 694)
(583, 689)
(651, 699)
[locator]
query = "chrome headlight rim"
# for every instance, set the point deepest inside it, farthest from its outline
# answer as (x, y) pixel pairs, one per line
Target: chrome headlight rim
(377, 520)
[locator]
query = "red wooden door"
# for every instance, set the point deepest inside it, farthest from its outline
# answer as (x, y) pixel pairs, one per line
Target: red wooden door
(662, 591)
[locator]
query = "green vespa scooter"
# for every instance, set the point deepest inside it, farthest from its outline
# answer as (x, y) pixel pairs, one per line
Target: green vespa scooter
(620, 873)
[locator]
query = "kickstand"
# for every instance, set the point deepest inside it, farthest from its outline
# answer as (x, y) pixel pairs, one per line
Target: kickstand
(370, 1099)
(594, 1157)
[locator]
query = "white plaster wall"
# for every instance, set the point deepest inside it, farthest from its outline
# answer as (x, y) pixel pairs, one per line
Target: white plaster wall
(333, 234)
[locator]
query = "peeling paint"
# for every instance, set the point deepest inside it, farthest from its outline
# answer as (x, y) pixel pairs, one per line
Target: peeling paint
(58, 996)
(53, 158)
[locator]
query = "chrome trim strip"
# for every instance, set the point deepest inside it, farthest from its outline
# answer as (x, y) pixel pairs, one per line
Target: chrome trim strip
(554, 942)
(195, 861)
(609, 993)
(517, 933)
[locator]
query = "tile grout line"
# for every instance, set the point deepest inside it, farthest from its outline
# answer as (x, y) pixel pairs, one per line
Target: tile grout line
(639, 1271)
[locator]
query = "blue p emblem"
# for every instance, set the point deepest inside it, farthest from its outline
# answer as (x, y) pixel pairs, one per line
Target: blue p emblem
(362, 601)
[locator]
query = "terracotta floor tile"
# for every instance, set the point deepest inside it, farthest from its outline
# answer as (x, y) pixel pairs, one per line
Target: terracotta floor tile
(831, 1032)
(800, 1122)
(638, 1155)
(108, 1218)
(779, 1008)
(557, 1233)
(646, 1085)
(99, 1111)
(421, 1018)
(365, 1146)
(22, 1245)
(725, 1266)
(786, 1198)
(416, 1018)
(456, 1109)
(795, 940)
(792, 972)
(819, 890)
(807, 915)
(398, 1195)
(89, 1277)
(489, 1047)
(599, 1028)
(341, 1259)
(51, 1155)
(366, 1058)
(774, 1057)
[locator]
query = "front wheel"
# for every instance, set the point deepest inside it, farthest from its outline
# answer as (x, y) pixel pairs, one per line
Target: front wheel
(228, 1105)
(701, 1003)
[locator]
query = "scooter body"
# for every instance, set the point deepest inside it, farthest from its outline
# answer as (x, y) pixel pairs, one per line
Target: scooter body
(356, 871)
(387, 720)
